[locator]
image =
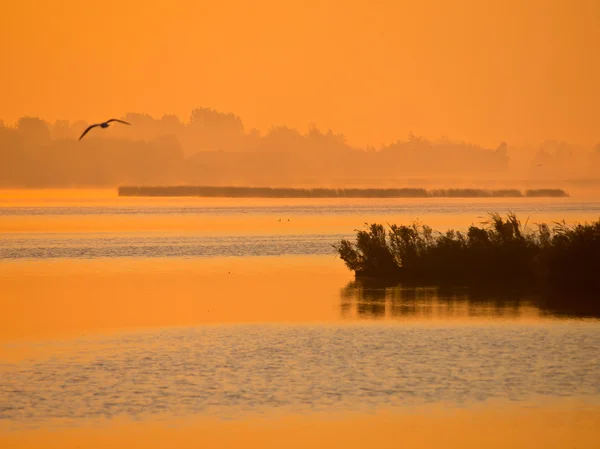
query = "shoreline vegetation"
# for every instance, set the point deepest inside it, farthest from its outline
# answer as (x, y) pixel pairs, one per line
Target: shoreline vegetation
(274, 192)
(500, 253)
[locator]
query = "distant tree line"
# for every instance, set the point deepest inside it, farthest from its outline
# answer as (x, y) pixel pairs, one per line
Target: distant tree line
(214, 148)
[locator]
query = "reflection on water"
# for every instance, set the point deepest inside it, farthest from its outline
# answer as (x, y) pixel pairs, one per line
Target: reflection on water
(562, 424)
(370, 299)
(58, 298)
(127, 308)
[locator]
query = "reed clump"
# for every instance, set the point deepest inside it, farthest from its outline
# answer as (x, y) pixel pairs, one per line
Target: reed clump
(500, 251)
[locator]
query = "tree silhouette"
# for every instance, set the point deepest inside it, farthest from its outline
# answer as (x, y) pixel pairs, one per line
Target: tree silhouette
(214, 148)
(33, 130)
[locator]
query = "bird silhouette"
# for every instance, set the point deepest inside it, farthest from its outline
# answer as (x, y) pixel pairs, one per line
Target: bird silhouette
(102, 125)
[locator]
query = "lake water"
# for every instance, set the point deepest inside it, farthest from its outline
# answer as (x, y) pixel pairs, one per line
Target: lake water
(148, 322)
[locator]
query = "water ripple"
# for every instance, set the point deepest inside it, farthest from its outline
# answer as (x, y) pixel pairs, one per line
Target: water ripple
(227, 370)
(96, 246)
(422, 207)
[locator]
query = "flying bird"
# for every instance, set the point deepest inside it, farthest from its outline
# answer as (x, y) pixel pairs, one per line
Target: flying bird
(102, 125)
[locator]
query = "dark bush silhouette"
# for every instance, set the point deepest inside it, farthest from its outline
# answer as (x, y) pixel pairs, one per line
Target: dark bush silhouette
(502, 251)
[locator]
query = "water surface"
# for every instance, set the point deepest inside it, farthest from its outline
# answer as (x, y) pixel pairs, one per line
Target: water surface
(203, 315)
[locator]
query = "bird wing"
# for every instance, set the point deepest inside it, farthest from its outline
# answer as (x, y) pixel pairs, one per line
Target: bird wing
(117, 120)
(86, 131)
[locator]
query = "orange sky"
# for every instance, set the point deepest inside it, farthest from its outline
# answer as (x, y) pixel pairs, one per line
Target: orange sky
(479, 71)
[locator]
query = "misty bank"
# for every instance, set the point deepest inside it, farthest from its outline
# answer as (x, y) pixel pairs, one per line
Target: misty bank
(274, 192)
(502, 252)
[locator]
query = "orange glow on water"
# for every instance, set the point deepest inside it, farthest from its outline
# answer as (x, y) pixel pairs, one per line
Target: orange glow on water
(555, 427)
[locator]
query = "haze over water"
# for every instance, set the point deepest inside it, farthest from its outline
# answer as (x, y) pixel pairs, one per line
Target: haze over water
(136, 322)
(232, 323)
